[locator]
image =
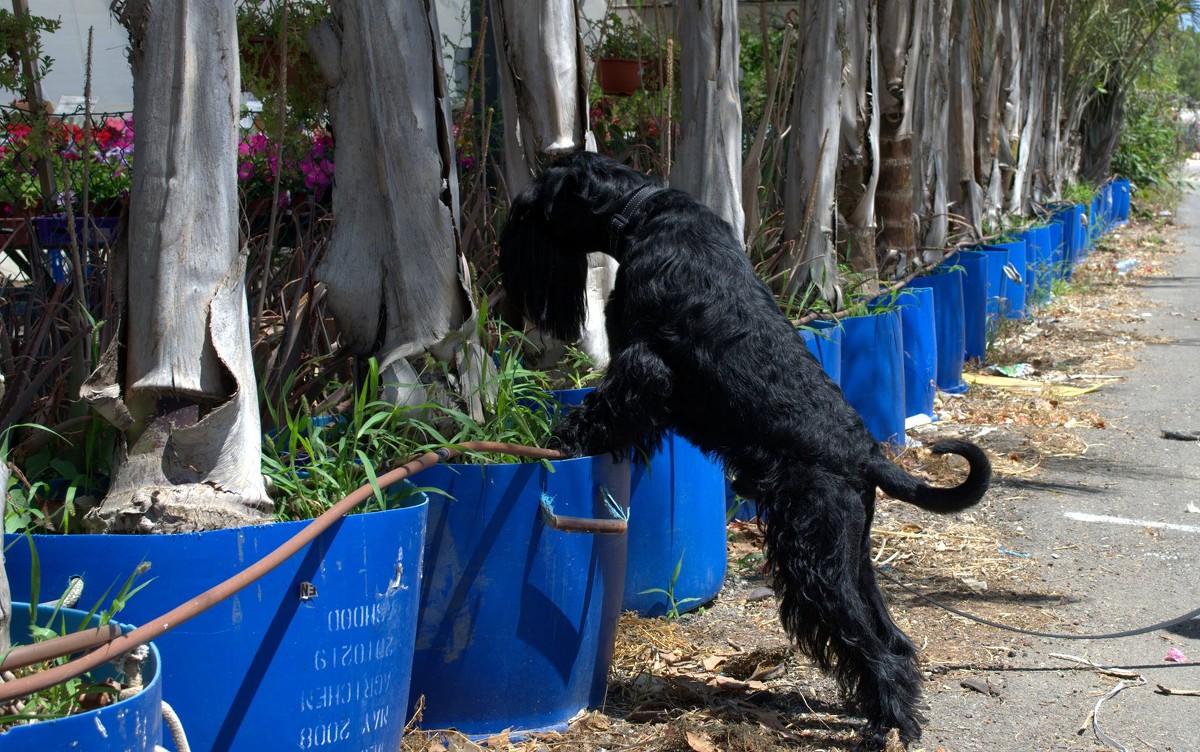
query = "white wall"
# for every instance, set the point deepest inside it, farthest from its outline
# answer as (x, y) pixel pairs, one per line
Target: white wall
(112, 82)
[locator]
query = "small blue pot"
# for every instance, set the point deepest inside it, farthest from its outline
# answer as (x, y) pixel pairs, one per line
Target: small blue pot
(677, 518)
(325, 637)
(132, 725)
(1122, 190)
(918, 329)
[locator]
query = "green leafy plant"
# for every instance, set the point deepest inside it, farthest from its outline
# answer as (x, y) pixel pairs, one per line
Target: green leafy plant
(44, 494)
(1080, 192)
(1154, 143)
(20, 39)
(261, 25)
(313, 462)
(738, 501)
(623, 40)
(515, 402)
(576, 369)
(673, 603)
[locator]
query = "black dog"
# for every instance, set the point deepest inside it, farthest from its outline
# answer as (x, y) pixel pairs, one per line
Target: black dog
(700, 346)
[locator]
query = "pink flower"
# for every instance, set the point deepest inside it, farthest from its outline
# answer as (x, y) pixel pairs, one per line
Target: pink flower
(258, 143)
(245, 170)
(1175, 655)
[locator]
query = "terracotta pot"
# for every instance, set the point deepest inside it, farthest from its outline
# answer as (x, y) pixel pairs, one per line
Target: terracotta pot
(618, 77)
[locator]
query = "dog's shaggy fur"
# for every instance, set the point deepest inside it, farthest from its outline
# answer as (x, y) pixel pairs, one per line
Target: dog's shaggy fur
(699, 346)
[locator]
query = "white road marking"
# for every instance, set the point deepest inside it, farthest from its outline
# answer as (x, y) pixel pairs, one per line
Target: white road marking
(1085, 517)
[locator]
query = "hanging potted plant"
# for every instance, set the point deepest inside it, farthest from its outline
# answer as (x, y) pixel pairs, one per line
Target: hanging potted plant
(621, 55)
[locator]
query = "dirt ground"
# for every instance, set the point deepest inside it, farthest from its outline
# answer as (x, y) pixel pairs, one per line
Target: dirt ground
(724, 677)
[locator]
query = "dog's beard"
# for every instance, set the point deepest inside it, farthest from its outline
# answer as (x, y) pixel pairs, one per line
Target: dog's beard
(545, 280)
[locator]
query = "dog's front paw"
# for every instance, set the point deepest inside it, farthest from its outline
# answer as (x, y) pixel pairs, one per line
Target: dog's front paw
(569, 448)
(567, 437)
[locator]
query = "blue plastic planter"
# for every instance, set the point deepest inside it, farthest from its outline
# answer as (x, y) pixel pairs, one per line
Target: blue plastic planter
(1122, 189)
(873, 372)
(517, 620)
(1039, 265)
(824, 341)
(974, 284)
(1058, 233)
(918, 330)
(949, 327)
(677, 517)
(994, 261)
(132, 725)
(1074, 220)
(274, 665)
(1011, 294)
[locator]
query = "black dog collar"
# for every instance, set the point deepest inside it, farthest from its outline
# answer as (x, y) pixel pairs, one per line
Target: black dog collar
(616, 225)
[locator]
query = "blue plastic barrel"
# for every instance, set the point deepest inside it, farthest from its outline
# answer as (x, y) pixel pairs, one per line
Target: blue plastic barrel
(824, 341)
(994, 262)
(974, 284)
(918, 330)
(1122, 189)
(1095, 223)
(1039, 265)
(950, 329)
(677, 518)
(1013, 274)
(517, 619)
(873, 372)
(132, 725)
(317, 653)
(1074, 219)
(1060, 233)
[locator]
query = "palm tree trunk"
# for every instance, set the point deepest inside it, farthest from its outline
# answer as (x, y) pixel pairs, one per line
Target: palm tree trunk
(186, 397)
(708, 160)
(543, 92)
(931, 175)
(809, 263)
(397, 284)
(965, 193)
(899, 25)
(859, 162)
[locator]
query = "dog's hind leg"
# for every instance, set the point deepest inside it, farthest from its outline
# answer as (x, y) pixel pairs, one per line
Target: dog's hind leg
(815, 551)
(625, 408)
(908, 681)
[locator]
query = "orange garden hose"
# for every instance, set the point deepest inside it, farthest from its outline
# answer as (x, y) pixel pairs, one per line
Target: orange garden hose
(113, 643)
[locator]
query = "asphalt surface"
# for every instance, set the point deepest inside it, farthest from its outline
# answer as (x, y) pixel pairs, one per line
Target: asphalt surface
(1137, 569)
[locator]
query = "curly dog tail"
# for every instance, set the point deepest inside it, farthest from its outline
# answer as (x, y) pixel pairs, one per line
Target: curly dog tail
(898, 484)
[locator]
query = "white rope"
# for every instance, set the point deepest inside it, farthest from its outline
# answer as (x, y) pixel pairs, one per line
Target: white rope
(175, 726)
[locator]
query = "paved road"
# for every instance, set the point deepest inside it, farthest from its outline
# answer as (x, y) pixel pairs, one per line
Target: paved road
(1117, 575)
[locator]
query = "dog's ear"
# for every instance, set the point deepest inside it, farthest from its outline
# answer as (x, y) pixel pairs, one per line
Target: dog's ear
(544, 278)
(558, 186)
